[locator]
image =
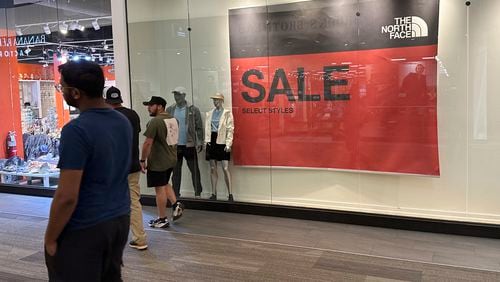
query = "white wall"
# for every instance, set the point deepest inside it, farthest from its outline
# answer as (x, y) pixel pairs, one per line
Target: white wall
(468, 112)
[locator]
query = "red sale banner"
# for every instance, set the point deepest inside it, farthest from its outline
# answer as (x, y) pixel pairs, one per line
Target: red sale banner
(335, 106)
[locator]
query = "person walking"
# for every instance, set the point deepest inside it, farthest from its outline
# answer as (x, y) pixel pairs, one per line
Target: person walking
(113, 97)
(89, 216)
(159, 156)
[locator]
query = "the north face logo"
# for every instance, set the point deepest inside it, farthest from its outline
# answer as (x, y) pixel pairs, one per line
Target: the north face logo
(406, 27)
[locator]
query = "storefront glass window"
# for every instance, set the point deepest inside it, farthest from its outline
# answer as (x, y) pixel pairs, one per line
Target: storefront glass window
(35, 39)
(364, 105)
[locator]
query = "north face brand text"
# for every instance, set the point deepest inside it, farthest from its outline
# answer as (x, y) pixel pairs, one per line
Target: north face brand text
(406, 27)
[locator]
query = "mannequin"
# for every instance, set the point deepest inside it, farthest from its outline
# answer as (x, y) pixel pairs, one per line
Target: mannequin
(219, 129)
(190, 140)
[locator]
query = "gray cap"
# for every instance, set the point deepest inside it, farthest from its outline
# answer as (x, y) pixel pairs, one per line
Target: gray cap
(179, 89)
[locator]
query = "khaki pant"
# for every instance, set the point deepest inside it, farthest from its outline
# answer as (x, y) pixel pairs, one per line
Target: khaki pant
(136, 225)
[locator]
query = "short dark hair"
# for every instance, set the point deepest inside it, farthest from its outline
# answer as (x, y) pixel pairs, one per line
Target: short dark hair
(84, 75)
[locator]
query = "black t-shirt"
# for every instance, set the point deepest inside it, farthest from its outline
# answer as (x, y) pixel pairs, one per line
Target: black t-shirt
(133, 117)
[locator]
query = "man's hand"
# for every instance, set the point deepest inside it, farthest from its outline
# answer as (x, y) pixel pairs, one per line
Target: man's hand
(63, 205)
(199, 148)
(146, 150)
(51, 247)
(227, 148)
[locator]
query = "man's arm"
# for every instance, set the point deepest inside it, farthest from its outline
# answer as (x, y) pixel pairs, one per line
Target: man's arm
(146, 150)
(63, 205)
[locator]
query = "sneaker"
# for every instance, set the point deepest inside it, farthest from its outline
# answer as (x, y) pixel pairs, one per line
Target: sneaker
(133, 244)
(178, 210)
(213, 197)
(152, 222)
(230, 198)
(161, 223)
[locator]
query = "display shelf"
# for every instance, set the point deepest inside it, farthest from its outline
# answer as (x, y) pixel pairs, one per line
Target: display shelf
(44, 176)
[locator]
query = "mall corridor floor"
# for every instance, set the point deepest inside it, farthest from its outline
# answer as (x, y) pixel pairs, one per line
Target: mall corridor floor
(211, 246)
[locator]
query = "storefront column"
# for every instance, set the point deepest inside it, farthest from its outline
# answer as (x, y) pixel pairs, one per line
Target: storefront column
(10, 105)
(120, 49)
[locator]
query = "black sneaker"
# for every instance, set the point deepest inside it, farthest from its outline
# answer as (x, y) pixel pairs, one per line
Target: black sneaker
(178, 210)
(230, 198)
(213, 197)
(133, 244)
(161, 223)
(153, 221)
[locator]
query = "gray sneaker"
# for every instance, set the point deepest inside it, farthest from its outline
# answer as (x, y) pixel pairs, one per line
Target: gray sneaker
(134, 245)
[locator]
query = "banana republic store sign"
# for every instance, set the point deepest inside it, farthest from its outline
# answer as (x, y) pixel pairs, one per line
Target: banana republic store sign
(9, 45)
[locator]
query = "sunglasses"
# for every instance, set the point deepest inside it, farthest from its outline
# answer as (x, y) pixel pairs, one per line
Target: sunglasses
(59, 87)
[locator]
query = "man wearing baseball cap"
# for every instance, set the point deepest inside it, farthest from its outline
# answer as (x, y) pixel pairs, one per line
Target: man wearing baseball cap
(159, 156)
(114, 99)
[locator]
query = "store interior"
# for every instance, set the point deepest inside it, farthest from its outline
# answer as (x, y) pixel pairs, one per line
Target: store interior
(35, 38)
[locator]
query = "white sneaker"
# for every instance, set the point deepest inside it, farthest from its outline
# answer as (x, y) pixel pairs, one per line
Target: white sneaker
(152, 222)
(161, 223)
(178, 210)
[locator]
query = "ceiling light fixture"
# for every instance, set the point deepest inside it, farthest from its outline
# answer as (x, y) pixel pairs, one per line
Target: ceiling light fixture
(105, 47)
(81, 27)
(96, 25)
(73, 25)
(46, 29)
(63, 28)
(19, 32)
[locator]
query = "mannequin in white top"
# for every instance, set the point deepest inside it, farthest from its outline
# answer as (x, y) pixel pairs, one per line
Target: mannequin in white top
(219, 129)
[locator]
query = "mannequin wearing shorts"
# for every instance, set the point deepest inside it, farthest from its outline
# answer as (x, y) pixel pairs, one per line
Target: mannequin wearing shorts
(219, 129)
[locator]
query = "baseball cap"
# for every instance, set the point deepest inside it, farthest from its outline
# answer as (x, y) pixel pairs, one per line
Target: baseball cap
(155, 100)
(112, 95)
(217, 96)
(179, 89)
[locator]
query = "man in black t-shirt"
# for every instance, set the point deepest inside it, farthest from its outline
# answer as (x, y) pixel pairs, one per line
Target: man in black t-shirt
(113, 98)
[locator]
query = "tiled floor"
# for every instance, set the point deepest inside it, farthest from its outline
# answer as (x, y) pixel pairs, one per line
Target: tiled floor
(228, 247)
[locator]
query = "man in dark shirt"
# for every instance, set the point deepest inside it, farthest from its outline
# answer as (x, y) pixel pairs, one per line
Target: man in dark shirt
(89, 216)
(114, 99)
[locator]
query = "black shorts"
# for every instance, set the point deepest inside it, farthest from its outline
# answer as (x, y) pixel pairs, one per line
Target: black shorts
(158, 178)
(216, 151)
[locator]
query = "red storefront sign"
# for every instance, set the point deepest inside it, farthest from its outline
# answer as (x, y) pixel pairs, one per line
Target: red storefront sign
(356, 101)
